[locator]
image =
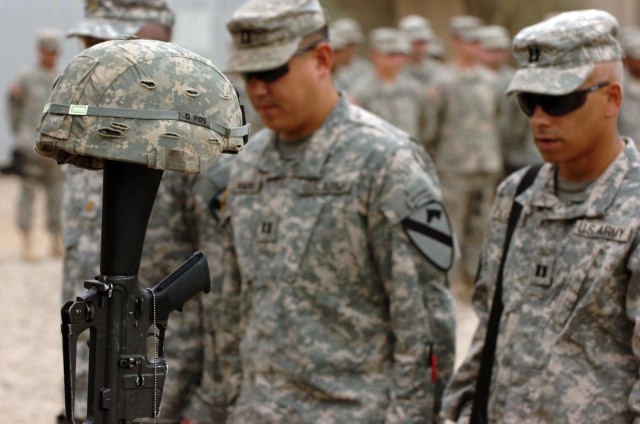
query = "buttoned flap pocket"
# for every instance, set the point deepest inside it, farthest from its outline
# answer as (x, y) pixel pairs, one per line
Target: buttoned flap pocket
(320, 225)
(571, 274)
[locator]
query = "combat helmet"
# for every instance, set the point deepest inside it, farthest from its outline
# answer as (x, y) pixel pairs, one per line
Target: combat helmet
(141, 101)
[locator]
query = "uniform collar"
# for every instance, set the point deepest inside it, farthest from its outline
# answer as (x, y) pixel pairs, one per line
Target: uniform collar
(315, 154)
(600, 195)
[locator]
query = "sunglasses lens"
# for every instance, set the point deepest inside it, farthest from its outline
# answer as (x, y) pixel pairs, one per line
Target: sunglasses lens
(268, 76)
(553, 105)
(561, 105)
(527, 103)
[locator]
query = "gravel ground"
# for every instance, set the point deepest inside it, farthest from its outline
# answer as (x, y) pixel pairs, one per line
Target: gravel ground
(30, 341)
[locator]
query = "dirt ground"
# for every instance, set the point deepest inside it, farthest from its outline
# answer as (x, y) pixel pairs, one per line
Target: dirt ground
(30, 301)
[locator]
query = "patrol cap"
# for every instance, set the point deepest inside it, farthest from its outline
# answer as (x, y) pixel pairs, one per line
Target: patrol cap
(388, 40)
(350, 28)
(465, 26)
(338, 38)
(109, 19)
(48, 39)
(494, 37)
(630, 40)
(418, 27)
(557, 55)
(267, 33)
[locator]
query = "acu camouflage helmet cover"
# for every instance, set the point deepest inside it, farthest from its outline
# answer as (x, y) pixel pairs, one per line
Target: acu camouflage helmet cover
(145, 102)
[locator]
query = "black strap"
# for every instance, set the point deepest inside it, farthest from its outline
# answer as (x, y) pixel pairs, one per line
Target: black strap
(481, 394)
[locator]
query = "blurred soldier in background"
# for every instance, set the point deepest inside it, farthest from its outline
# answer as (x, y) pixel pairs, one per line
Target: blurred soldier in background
(518, 148)
(172, 232)
(330, 312)
(354, 66)
(391, 94)
(27, 96)
(629, 118)
(420, 65)
(466, 147)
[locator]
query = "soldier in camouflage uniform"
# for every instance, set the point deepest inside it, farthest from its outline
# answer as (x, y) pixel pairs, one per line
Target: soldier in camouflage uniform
(335, 297)
(420, 65)
(355, 66)
(27, 95)
(392, 95)
(628, 120)
(518, 148)
(172, 234)
(466, 145)
(567, 346)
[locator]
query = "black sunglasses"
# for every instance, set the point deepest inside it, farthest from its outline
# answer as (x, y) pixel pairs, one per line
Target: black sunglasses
(556, 105)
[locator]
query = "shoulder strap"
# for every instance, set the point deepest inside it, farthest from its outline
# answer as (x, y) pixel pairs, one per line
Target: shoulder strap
(481, 394)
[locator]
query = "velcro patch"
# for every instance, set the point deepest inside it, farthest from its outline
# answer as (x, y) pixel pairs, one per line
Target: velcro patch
(588, 228)
(320, 188)
(246, 187)
(430, 231)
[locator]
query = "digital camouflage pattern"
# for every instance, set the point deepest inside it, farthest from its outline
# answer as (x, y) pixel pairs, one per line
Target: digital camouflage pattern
(329, 310)
(403, 103)
(109, 19)
(567, 347)
(557, 55)
(467, 151)
(207, 402)
(267, 34)
(130, 82)
(25, 108)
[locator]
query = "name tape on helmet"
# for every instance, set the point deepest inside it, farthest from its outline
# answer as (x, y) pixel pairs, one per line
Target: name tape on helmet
(192, 118)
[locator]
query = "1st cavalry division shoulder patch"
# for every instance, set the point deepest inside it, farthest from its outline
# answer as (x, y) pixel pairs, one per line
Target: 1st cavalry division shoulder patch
(430, 231)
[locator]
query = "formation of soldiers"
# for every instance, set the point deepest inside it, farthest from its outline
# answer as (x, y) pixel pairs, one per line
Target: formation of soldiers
(331, 294)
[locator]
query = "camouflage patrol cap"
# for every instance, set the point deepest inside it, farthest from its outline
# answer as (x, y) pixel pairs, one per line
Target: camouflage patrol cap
(267, 33)
(630, 40)
(389, 41)
(109, 19)
(48, 39)
(493, 37)
(418, 27)
(141, 101)
(350, 28)
(557, 55)
(465, 26)
(338, 38)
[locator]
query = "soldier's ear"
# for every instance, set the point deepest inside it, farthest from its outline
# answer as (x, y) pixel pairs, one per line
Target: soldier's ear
(323, 53)
(614, 100)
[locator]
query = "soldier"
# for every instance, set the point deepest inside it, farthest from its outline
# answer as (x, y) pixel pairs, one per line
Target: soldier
(172, 232)
(396, 97)
(27, 95)
(628, 122)
(335, 297)
(420, 66)
(354, 66)
(566, 347)
(518, 149)
(466, 145)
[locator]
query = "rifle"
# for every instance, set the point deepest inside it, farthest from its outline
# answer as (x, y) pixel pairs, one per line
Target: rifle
(126, 322)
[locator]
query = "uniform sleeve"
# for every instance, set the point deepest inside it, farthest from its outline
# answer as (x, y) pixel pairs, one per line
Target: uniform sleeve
(421, 311)
(229, 334)
(458, 394)
(633, 312)
(15, 104)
